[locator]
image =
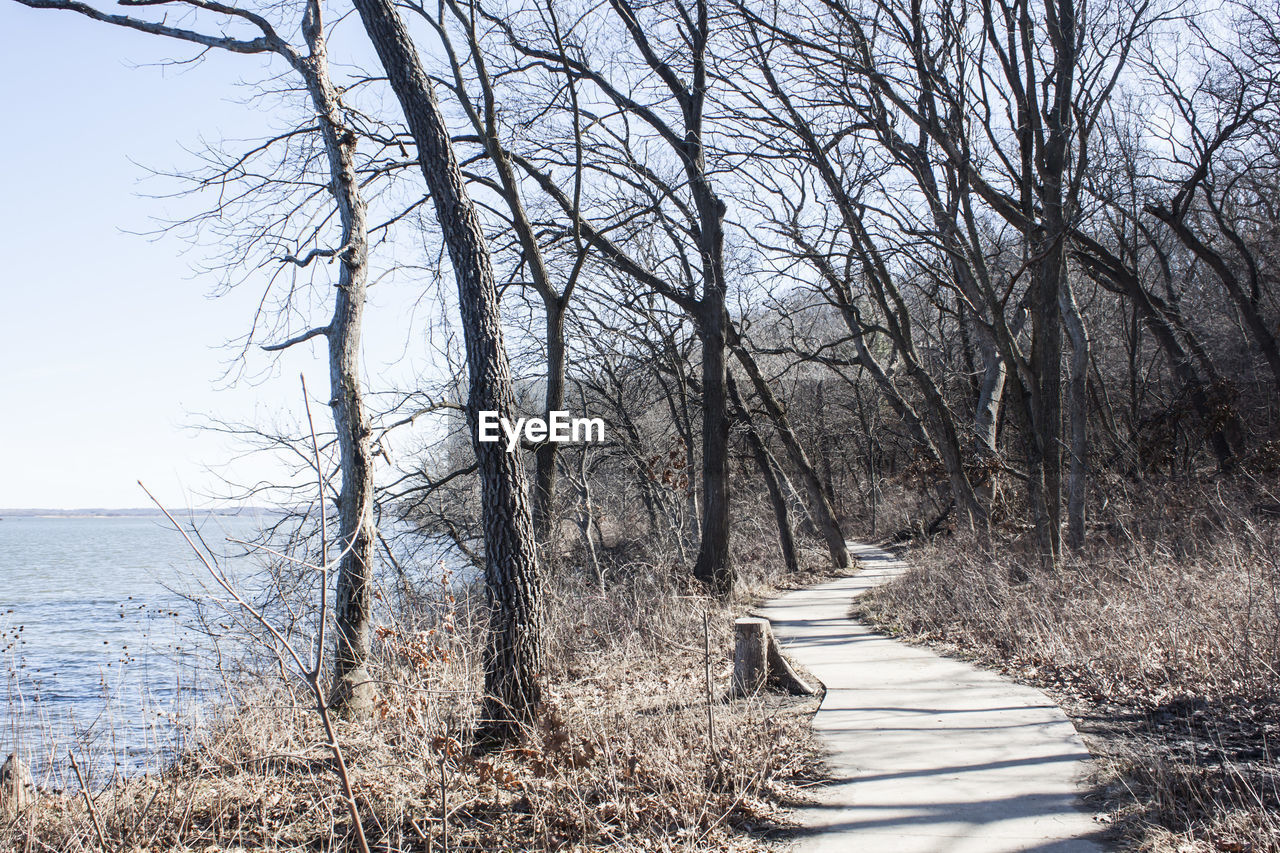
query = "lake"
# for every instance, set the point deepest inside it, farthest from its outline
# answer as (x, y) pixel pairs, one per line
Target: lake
(96, 641)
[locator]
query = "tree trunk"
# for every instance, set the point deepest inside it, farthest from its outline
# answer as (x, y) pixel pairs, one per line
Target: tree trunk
(770, 470)
(544, 478)
(351, 691)
(1044, 453)
(820, 507)
(1044, 464)
(513, 658)
(1078, 474)
(1050, 273)
(714, 566)
(1044, 482)
(986, 417)
(758, 661)
(765, 462)
(17, 788)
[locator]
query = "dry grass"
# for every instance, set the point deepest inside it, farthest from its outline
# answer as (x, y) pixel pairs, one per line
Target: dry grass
(1163, 643)
(621, 759)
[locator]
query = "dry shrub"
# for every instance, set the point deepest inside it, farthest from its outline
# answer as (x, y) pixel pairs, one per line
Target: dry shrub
(1145, 626)
(1163, 643)
(621, 757)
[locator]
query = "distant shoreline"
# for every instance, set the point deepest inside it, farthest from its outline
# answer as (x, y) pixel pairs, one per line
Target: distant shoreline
(140, 512)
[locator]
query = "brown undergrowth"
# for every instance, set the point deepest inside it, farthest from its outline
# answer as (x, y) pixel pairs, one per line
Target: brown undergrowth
(1162, 641)
(624, 755)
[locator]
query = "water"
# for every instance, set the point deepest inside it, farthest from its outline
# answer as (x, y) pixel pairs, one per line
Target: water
(97, 643)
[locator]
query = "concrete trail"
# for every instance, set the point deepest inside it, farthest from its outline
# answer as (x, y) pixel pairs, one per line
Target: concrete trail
(927, 754)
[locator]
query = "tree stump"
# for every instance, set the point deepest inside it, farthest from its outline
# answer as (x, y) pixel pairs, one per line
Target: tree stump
(17, 788)
(758, 661)
(750, 654)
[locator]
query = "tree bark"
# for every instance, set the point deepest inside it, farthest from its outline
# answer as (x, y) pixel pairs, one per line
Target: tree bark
(750, 655)
(1044, 464)
(17, 788)
(714, 565)
(758, 661)
(1045, 134)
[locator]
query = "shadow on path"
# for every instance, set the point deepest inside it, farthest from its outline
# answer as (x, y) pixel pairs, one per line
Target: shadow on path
(927, 754)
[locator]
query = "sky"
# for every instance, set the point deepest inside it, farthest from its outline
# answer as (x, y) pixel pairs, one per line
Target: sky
(112, 347)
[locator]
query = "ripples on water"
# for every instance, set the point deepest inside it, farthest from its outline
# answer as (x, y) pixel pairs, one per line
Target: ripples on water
(96, 641)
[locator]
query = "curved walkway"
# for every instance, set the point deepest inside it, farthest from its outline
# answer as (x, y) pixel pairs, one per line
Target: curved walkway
(927, 754)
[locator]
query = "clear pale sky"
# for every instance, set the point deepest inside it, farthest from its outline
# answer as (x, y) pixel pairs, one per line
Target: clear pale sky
(111, 347)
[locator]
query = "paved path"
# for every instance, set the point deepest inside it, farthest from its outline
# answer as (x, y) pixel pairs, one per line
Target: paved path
(927, 754)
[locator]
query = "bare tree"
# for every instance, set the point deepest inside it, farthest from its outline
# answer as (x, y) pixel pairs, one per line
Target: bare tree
(1002, 101)
(676, 117)
(514, 651)
(1220, 144)
(471, 70)
(352, 688)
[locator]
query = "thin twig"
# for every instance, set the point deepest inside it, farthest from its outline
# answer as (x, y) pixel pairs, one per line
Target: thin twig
(711, 720)
(324, 539)
(88, 801)
(313, 677)
(444, 804)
